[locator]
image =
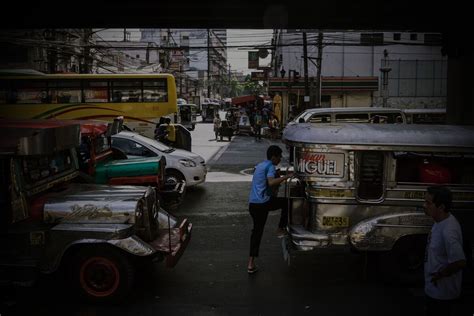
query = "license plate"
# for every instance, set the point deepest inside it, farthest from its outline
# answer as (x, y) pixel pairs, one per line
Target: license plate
(336, 221)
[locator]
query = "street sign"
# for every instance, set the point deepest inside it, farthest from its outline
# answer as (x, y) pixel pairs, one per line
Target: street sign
(258, 76)
(253, 60)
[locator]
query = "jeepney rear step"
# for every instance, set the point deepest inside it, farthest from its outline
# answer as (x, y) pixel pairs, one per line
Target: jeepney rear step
(305, 239)
(173, 241)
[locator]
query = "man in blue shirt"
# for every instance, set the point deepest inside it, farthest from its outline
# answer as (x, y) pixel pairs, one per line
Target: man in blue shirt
(262, 200)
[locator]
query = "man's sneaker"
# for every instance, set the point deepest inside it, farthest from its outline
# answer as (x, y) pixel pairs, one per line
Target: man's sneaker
(281, 232)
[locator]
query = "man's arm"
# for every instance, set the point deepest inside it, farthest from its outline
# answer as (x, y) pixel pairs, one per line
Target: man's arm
(276, 181)
(449, 270)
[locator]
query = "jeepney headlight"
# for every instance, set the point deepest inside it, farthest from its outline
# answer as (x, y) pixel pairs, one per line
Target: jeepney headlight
(187, 163)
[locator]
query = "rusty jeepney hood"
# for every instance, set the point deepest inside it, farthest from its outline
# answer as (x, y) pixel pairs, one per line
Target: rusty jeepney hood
(90, 203)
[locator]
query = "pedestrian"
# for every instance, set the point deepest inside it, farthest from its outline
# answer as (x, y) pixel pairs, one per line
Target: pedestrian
(444, 257)
(160, 130)
(170, 132)
(217, 124)
(258, 126)
(262, 201)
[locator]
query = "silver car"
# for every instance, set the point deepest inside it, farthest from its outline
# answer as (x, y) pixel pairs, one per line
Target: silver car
(180, 164)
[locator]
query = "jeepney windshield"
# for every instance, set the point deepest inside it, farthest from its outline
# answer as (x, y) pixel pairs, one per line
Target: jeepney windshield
(37, 169)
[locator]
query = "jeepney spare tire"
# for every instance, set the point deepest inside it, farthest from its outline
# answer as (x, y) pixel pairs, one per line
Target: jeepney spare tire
(101, 273)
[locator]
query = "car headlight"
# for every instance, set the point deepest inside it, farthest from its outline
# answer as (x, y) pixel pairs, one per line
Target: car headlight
(187, 163)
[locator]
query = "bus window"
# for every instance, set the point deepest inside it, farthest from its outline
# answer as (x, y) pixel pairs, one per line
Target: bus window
(352, 118)
(96, 91)
(371, 176)
(65, 91)
(127, 91)
(155, 90)
(27, 91)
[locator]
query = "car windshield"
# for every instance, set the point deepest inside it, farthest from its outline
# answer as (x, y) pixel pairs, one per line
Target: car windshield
(151, 142)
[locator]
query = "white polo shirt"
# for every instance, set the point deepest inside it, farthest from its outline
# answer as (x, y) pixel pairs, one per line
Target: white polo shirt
(444, 246)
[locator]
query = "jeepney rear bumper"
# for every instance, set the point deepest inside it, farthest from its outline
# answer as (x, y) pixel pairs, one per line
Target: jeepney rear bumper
(301, 239)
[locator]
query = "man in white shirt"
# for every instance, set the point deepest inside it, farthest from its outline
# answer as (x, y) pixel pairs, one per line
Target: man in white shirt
(444, 257)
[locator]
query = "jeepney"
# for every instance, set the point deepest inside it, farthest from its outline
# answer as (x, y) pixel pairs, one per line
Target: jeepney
(209, 111)
(95, 233)
(108, 165)
(361, 187)
(187, 115)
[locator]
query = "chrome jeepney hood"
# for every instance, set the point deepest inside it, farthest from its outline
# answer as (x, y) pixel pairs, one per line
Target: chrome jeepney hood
(91, 203)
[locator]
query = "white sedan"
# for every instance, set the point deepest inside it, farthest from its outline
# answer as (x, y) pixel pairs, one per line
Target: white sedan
(180, 164)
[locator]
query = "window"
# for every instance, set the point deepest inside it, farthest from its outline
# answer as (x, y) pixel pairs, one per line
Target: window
(155, 90)
(25, 91)
(352, 118)
(434, 168)
(413, 37)
(371, 39)
(433, 39)
(126, 91)
(131, 148)
(320, 118)
(371, 167)
(96, 91)
(397, 36)
(65, 91)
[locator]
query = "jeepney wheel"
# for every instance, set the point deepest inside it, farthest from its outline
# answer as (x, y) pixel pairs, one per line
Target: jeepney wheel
(102, 273)
(173, 176)
(404, 263)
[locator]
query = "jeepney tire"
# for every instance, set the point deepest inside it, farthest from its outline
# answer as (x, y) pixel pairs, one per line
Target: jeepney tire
(112, 269)
(404, 263)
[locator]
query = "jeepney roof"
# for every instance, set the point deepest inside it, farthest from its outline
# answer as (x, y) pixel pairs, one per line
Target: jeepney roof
(401, 136)
(37, 137)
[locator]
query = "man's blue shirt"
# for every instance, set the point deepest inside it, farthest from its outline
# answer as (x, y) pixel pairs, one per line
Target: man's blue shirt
(260, 192)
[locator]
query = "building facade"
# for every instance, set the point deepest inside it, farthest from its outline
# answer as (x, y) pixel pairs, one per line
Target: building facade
(392, 69)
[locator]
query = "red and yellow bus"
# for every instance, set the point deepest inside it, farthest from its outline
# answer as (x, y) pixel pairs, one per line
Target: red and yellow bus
(140, 98)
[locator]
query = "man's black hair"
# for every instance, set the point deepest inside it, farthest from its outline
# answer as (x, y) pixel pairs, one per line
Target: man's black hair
(273, 150)
(441, 195)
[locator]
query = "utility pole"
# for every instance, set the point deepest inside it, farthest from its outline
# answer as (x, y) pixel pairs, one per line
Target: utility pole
(124, 34)
(208, 65)
(318, 65)
(385, 69)
(306, 81)
(228, 83)
(87, 33)
(180, 79)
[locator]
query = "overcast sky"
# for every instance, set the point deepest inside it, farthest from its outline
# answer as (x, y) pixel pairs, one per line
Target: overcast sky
(238, 57)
